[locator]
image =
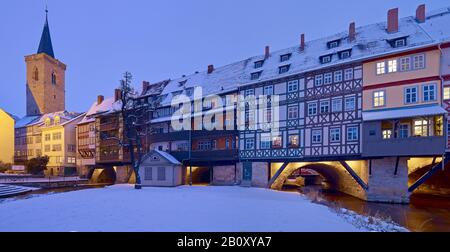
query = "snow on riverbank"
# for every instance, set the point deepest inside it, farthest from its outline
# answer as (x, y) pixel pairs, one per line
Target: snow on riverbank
(121, 208)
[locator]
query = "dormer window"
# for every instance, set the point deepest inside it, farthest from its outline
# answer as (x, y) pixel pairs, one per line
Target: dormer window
(176, 93)
(398, 42)
(326, 59)
(333, 44)
(182, 83)
(57, 120)
(255, 76)
(345, 54)
(259, 64)
(284, 69)
(189, 91)
(285, 57)
(48, 121)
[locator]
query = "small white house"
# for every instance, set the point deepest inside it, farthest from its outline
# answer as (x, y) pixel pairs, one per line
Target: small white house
(159, 168)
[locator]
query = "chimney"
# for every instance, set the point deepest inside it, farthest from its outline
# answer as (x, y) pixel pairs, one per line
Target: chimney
(267, 52)
(145, 85)
(100, 99)
(117, 94)
(302, 42)
(420, 13)
(352, 32)
(210, 69)
(392, 21)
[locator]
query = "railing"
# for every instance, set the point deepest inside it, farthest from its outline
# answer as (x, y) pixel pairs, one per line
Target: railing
(109, 126)
(207, 155)
(184, 135)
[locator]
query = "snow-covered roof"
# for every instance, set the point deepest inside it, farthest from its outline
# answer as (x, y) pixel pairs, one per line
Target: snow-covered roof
(403, 113)
(65, 117)
(164, 155)
(371, 41)
(106, 106)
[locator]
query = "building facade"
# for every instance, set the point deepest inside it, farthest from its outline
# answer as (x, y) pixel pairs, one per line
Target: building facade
(7, 122)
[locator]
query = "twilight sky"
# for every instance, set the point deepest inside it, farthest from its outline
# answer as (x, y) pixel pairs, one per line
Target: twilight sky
(157, 40)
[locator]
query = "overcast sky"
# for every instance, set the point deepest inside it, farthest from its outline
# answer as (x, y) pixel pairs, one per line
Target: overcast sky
(157, 40)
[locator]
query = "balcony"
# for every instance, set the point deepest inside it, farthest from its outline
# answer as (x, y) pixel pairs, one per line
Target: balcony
(184, 135)
(109, 126)
(207, 155)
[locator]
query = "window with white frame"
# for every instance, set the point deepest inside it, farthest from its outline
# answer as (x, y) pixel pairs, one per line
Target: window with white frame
(259, 64)
(429, 92)
(285, 57)
(249, 144)
(335, 135)
(249, 92)
(352, 134)
(446, 93)
(292, 112)
(381, 68)
(410, 95)
(312, 109)
(268, 90)
(255, 76)
(405, 64)
(327, 78)
(325, 59)
(284, 69)
(316, 136)
(400, 43)
(350, 103)
(148, 174)
(324, 107)
(336, 105)
(318, 80)
(379, 98)
(348, 74)
(293, 86)
(419, 61)
(421, 128)
(338, 76)
(265, 142)
(392, 66)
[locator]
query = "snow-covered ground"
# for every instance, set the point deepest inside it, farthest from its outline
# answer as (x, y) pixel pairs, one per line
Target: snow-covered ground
(121, 208)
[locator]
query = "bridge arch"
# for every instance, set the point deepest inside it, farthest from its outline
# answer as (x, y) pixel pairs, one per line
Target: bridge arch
(102, 176)
(334, 173)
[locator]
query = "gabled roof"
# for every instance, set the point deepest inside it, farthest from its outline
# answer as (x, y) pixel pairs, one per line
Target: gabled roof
(45, 45)
(65, 117)
(164, 155)
(106, 106)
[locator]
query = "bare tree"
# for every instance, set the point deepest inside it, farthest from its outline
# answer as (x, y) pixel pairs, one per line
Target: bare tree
(135, 116)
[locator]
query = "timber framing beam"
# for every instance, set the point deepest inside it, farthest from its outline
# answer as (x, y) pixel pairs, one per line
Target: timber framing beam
(277, 174)
(354, 175)
(430, 173)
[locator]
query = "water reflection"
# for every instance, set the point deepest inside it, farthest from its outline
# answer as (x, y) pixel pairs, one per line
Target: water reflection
(425, 213)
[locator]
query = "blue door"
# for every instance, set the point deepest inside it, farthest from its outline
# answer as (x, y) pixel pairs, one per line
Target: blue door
(247, 171)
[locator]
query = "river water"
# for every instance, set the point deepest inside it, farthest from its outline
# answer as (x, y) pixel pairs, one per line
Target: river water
(425, 213)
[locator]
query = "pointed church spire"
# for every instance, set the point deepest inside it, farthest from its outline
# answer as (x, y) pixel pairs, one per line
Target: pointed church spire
(45, 46)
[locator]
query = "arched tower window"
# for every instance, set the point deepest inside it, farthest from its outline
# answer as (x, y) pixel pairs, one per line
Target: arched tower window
(53, 78)
(36, 74)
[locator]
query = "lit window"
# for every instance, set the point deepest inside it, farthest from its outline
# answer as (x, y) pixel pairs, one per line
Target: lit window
(405, 64)
(293, 141)
(352, 134)
(327, 78)
(447, 93)
(387, 134)
(318, 80)
(293, 86)
(336, 105)
(381, 68)
(421, 128)
(378, 99)
(316, 136)
(277, 142)
(419, 61)
(293, 112)
(350, 103)
(429, 93)
(335, 135)
(338, 76)
(392, 66)
(312, 109)
(410, 95)
(324, 107)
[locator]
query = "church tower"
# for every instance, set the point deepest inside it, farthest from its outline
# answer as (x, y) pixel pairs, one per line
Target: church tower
(45, 78)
